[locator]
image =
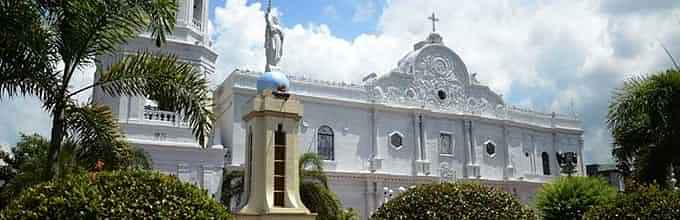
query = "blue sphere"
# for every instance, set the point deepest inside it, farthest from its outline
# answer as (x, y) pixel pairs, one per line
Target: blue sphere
(273, 81)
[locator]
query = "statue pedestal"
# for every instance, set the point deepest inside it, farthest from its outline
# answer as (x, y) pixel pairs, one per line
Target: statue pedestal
(272, 181)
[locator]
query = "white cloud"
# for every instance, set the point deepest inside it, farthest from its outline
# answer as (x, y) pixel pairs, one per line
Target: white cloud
(549, 52)
(308, 50)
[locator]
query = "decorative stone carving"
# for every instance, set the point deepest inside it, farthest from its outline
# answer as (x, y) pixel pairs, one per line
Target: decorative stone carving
(439, 66)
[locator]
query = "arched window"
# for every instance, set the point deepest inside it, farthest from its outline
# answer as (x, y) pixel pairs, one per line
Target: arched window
(325, 146)
(546, 163)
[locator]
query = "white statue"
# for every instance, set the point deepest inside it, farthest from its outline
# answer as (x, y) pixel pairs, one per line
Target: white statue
(273, 43)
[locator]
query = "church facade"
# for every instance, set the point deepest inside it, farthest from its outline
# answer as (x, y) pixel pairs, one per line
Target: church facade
(427, 120)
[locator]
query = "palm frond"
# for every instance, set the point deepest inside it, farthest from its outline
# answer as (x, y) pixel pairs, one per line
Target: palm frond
(311, 168)
(141, 159)
(96, 133)
(670, 56)
(94, 27)
(310, 161)
(169, 82)
(643, 118)
(162, 15)
(27, 54)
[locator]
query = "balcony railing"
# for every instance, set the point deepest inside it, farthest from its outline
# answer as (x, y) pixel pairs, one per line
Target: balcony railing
(159, 115)
(196, 23)
(153, 113)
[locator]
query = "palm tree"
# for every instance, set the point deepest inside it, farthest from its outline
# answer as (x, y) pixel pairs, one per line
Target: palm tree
(40, 36)
(644, 118)
(311, 169)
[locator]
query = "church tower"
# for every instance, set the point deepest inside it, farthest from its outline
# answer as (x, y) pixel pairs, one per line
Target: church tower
(271, 176)
(140, 117)
(159, 130)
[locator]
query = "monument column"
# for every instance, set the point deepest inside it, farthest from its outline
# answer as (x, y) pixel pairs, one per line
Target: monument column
(273, 179)
(272, 119)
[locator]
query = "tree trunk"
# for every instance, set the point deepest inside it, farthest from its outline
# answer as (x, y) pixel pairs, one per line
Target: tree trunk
(55, 140)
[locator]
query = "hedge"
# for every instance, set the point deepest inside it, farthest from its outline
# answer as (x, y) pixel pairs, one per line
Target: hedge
(571, 197)
(646, 202)
(465, 200)
(123, 194)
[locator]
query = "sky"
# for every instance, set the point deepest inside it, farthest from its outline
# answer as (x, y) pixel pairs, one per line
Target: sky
(548, 55)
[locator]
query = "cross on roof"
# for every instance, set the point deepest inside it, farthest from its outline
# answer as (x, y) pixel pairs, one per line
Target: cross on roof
(434, 20)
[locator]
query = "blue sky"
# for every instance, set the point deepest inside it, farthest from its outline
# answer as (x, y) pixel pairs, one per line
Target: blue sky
(347, 18)
(548, 55)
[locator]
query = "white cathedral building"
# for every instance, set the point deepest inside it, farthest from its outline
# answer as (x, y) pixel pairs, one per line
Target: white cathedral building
(425, 121)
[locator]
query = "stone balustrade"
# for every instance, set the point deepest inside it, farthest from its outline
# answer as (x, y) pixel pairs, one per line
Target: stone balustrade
(196, 23)
(159, 115)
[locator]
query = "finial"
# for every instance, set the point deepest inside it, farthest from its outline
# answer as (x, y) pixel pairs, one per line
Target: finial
(434, 20)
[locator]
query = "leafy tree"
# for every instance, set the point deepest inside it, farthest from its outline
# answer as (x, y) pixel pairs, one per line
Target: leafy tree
(23, 169)
(39, 37)
(118, 194)
(322, 201)
(645, 122)
(571, 197)
(641, 202)
(461, 200)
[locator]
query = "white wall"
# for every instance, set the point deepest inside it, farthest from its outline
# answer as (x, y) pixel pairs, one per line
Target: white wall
(396, 161)
(202, 167)
(491, 166)
(434, 126)
(351, 133)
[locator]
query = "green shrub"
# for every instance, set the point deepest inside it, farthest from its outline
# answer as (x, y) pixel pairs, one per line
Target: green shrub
(453, 201)
(571, 197)
(647, 202)
(124, 194)
(322, 201)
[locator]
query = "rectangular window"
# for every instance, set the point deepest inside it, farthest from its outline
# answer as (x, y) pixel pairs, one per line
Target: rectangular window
(445, 143)
(325, 149)
(278, 199)
(279, 167)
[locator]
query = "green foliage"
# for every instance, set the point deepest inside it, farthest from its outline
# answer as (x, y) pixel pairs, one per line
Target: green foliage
(177, 85)
(319, 199)
(645, 122)
(571, 197)
(232, 186)
(122, 194)
(311, 168)
(647, 202)
(141, 159)
(465, 200)
(38, 35)
(24, 169)
(314, 191)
